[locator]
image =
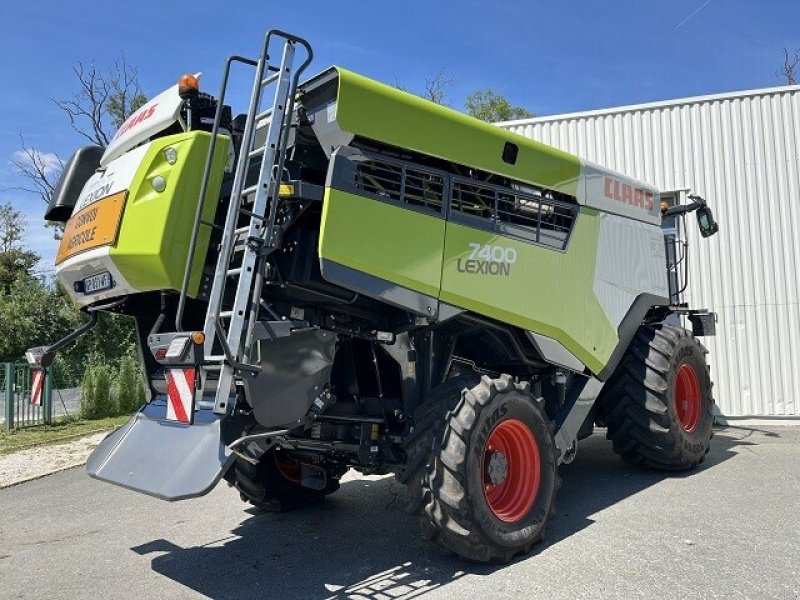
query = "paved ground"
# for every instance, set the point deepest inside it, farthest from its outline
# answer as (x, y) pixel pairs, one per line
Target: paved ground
(731, 529)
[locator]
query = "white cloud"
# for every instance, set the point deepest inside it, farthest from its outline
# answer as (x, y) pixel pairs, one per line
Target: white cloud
(50, 161)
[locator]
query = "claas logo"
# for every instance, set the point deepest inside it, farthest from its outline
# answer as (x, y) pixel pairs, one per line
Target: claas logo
(142, 115)
(628, 194)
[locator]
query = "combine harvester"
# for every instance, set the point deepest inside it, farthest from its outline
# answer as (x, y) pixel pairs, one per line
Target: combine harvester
(348, 276)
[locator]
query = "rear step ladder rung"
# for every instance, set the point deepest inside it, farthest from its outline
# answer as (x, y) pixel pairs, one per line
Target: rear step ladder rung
(274, 77)
(263, 115)
(250, 190)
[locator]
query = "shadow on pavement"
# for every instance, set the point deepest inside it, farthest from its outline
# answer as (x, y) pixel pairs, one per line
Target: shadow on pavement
(360, 544)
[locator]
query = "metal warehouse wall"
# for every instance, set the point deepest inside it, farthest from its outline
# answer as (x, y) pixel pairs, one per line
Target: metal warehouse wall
(740, 151)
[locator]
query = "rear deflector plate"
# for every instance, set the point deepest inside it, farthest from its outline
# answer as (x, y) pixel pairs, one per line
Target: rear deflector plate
(167, 460)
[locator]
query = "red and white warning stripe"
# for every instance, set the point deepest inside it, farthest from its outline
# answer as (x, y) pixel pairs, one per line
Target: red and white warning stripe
(37, 384)
(180, 395)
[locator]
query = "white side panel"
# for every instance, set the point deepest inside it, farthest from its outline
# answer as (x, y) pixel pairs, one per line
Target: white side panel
(741, 151)
(115, 177)
(158, 114)
(618, 194)
(86, 264)
(630, 261)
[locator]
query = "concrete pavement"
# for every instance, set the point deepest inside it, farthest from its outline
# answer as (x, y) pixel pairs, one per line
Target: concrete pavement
(730, 529)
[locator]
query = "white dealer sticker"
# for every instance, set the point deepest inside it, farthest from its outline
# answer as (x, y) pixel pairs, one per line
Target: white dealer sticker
(116, 177)
(155, 116)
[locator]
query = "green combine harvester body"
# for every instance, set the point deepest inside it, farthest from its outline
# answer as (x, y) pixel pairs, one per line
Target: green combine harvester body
(329, 280)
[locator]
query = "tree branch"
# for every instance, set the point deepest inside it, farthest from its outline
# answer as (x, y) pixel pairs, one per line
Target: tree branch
(103, 101)
(435, 89)
(787, 73)
(34, 167)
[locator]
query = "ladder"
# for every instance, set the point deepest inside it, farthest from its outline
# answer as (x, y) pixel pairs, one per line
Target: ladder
(243, 248)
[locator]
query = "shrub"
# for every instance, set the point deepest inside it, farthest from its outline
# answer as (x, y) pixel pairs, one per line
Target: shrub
(129, 386)
(88, 408)
(96, 399)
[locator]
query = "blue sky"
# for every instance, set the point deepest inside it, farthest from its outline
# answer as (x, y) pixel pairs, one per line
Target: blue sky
(550, 57)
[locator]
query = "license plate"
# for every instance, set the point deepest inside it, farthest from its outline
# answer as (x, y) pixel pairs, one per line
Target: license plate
(92, 226)
(97, 283)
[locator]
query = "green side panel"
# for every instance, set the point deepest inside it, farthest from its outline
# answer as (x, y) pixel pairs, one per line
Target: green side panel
(380, 112)
(396, 244)
(543, 290)
(156, 227)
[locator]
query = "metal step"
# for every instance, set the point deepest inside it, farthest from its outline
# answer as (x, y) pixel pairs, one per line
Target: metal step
(263, 115)
(274, 77)
(251, 190)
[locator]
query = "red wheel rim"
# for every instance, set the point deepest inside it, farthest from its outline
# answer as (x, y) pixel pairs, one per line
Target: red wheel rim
(288, 467)
(511, 470)
(688, 400)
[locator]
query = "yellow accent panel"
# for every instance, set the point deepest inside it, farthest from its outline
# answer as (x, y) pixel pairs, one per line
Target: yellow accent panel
(394, 243)
(544, 291)
(156, 228)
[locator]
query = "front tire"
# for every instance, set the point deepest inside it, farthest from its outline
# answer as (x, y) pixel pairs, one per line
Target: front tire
(658, 403)
(494, 474)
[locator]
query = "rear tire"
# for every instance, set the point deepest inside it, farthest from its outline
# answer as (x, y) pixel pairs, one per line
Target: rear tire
(428, 422)
(273, 486)
(658, 403)
(494, 476)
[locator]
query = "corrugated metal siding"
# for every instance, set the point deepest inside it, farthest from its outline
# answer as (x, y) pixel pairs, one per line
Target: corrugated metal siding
(742, 154)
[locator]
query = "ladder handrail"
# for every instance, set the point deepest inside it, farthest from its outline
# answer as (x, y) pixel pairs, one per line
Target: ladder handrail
(204, 186)
(256, 227)
(234, 205)
(212, 147)
(270, 228)
(264, 199)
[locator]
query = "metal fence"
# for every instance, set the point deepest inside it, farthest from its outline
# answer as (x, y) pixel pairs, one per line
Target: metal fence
(26, 401)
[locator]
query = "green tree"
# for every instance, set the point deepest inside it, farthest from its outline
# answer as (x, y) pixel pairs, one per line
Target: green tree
(14, 260)
(112, 338)
(14, 264)
(492, 107)
(12, 227)
(32, 315)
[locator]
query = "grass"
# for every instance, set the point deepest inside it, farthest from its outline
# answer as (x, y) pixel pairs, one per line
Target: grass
(61, 431)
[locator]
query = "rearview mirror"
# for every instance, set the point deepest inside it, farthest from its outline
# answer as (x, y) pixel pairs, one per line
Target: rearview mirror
(705, 221)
